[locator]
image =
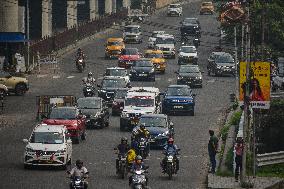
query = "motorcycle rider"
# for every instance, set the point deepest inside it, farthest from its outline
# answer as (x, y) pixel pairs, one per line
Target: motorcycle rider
(170, 147)
(138, 165)
(121, 150)
(80, 171)
(89, 79)
(142, 132)
(80, 53)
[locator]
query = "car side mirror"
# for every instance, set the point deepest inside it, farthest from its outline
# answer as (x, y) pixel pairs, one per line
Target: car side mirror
(25, 140)
(161, 94)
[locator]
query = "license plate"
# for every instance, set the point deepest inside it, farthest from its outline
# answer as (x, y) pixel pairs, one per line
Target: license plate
(142, 74)
(44, 158)
(178, 107)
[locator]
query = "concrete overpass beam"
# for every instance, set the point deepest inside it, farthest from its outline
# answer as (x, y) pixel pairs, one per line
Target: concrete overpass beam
(9, 16)
(108, 6)
(114, 6)
(94, 9)
(71, 13)
(126, 3)
(46, 18)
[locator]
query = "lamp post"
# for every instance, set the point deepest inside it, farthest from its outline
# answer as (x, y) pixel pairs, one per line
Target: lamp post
(28, 34)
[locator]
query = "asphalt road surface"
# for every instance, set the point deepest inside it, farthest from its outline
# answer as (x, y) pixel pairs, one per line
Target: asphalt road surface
(97, 150)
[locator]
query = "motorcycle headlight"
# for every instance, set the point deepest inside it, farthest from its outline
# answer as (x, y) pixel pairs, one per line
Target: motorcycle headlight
(80, 60)
(170, 158)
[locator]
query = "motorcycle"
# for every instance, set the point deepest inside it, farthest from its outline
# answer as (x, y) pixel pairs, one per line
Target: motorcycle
(77, 183)
(139, 179)
(88, 90)
(170, 167)
(142, 147)
(196, 42)
(122, 166)
(80, 64)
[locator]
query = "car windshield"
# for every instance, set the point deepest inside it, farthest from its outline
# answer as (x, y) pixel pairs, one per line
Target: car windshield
(63, 113)
(114, 43)
(188, 49)
(189, 69)
(140, 102)
(89, 103)
(153, 55)
(225, 59)
(155, 34)
(132, 29)
(165, 40)
(190, 21)
(113, 83)
(174, 6)
(121, 94)
(178, 91)
(47, 138)
(143, 63)
(116, 72)
(207, 4)
(153, 121)
(129, 52)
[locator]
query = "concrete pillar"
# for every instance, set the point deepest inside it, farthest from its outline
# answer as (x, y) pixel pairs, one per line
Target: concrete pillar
(114, 6)
(46, 18)
(126, 3)
(108, 6)
(94, 9)
(71, 13)
(9, 16)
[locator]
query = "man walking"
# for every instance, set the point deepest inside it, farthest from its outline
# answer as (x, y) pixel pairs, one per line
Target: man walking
(212, 150)
(239, 147)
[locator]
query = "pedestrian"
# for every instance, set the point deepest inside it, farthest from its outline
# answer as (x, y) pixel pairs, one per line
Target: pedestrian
(212, 150)
(239, 147)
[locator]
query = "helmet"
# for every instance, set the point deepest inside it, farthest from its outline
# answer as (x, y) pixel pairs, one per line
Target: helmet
(79, 50)
(123, 139)
(79, 163)
(90, 74)
(138, 159)
(170, 141)
(142, 126)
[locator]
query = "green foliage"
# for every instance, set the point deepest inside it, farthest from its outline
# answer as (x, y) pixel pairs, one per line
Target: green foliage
(224, 132)
(236, 117)
(234, 120)
(229, 160)
(271, 171)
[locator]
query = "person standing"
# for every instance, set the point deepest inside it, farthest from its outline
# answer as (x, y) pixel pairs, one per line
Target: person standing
(212, 150)
(239, 147)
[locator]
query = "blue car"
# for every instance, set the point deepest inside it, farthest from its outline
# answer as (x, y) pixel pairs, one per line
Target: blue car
(178, 99)
(160, 128)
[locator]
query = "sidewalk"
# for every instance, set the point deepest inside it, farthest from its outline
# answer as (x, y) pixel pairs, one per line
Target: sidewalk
(218, 182)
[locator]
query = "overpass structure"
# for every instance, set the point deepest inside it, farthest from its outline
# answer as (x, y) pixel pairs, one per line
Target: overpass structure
(49, 16)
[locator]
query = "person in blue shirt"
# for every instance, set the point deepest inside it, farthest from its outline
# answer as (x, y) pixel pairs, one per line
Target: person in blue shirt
(138, 165)
(172, 149)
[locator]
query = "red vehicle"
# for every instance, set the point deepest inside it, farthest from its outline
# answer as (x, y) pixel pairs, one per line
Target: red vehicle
(71, 117)
(118, 101)
(127, 57)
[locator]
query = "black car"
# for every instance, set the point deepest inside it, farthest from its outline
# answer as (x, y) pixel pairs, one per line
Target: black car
(109, 86)
(160, 128)
(190, 27)
(178, 99)
(95, 110)
(143, 69)
(189, 75)
(221, 63)
(118, 101)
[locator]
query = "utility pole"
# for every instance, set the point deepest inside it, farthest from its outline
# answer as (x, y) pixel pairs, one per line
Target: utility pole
(242, 41)
(246, 102)
(28, 35)
(236, 59)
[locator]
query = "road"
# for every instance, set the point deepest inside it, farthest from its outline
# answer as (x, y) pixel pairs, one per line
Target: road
(97, 151)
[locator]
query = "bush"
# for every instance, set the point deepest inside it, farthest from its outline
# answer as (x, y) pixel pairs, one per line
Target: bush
(230, 159)
(271, 171)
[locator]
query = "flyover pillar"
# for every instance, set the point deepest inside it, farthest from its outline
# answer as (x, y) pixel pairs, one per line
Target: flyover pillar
(71, 13)
(114, 6)
(108, 6)
(126, 3)
(93, 9)
(9, 16)
(46, 18)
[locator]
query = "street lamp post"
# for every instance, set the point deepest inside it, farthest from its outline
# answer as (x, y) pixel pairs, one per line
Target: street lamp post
(28, 34)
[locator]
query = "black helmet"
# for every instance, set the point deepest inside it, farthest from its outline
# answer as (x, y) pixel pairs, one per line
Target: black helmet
(79, 163)
(142, 126)
(90, 74)
(123, 139)
(79, 49)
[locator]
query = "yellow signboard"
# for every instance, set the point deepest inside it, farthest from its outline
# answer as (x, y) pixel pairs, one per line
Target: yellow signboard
(259, 84)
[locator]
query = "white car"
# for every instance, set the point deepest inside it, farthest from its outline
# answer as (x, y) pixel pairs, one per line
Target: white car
(152, 39)
(139, 101)
(174, 9)
(132, 34)
(166, 43)
(49, 145)
(118, 72)
(187, 54)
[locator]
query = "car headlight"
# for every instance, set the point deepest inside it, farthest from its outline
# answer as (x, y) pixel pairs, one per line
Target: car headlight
(175, 100)
(180, 77)
(198, 78)
(219, 67)
(124, 114)
(30, 150)
(133, 71)
(151, 71)
(164, 134)
(102, 91)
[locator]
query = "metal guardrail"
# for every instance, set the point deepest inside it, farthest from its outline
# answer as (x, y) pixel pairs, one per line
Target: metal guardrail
(270, 158)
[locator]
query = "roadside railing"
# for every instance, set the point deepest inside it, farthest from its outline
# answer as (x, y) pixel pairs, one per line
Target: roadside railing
(270, 158)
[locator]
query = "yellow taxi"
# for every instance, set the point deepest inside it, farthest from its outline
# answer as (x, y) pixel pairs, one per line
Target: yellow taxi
(157, 58)
(114, 47)
(207, 7)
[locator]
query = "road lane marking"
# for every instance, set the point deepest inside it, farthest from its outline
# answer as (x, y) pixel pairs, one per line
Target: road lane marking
(41, 76)
(170, 79)
(56, 76)
(71, 76)
(211, 81)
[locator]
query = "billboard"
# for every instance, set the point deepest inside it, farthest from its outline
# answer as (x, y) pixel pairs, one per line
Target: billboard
(232, 12)
(259, 84)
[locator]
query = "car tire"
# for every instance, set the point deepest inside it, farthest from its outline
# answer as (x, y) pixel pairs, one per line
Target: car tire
(208, 71)
(76, 140)
(192, 113)
(163, 71)
(20, 89)
(84, 136)
(26, 166)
